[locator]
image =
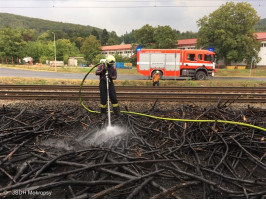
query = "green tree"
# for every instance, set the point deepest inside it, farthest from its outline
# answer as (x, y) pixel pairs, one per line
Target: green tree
(105, 37)
(119, 58)
(185, 35)
(95, 33)
(113, 39)
(129, 38)
(165, 37)
(11, 43)
(78, 42)
(144, 36)
(46, 37)
(90, 48)
(65, 49)
(29, 35)
(40, 51)
(98, 58)
(261, 26)
(46, 51)
(230, 31)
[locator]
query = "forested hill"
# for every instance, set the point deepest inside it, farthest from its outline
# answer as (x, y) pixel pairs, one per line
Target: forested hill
(68, 30)
(40, 25)
(261, 27)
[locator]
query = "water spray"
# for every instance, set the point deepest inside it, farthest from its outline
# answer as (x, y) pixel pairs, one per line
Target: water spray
(108, 99)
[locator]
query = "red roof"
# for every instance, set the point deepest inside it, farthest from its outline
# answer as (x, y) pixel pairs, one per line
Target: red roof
(187, 42)
(261, 36)
(117, 47)
(193, 42)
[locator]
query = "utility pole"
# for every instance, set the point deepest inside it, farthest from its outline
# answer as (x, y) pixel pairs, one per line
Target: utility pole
(54, 53)
(251, 65)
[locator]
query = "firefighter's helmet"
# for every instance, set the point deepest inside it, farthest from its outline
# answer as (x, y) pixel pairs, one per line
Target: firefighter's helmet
(110, 59)
(157, 72)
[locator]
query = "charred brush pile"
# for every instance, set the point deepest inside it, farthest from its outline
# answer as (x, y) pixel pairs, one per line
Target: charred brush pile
(64, 152)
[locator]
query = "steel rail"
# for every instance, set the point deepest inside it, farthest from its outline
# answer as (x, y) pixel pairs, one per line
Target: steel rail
(135, 96)
(137, 88)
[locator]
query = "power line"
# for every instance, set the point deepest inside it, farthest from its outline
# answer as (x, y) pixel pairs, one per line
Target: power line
(112, 7)
(156, 3)
(133, 1)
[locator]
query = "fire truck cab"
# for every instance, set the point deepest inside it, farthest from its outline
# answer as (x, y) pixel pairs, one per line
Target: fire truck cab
(197, 64)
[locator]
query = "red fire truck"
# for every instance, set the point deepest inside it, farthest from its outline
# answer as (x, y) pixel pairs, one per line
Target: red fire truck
(197, 64)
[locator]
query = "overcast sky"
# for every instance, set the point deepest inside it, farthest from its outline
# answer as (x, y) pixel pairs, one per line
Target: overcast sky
(122, 16)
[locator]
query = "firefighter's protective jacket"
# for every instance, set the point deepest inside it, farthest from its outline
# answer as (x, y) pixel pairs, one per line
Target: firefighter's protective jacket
(112, 73)
(156, 78)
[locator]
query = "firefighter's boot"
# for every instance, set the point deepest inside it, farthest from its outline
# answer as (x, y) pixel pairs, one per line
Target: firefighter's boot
(103, 113)
(116, 111)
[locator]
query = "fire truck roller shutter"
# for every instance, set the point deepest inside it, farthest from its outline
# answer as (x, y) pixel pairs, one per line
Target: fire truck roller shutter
(145, 61)
(172, 61)
(157, 60)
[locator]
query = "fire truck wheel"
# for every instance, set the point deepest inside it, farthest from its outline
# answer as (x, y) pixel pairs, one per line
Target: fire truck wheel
(200, 75)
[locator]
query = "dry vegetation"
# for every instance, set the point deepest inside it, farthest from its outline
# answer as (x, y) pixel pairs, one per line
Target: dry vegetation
(59, 149)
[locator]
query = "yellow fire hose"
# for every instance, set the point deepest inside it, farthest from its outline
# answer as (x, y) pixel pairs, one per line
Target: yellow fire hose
(163, 118)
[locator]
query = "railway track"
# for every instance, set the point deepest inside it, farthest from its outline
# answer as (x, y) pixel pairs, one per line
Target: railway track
(133, 93)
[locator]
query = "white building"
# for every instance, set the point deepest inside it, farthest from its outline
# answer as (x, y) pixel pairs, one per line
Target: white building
(125, 50)
(262, 53)
(73, 61)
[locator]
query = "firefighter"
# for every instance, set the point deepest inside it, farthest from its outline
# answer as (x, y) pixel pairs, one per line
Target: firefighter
(156, 78)
(109, 67)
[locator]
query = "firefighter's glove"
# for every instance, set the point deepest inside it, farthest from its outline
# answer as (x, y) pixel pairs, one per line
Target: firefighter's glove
(110, 77)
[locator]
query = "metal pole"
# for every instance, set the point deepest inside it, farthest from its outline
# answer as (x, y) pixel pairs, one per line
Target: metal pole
(54, 53)
(175, 66)
(252, 60)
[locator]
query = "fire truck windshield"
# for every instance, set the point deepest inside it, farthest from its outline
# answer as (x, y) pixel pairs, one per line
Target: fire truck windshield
(208, 57)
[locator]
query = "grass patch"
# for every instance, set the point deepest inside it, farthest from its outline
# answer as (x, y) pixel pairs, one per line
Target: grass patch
(259, 71)
(163, 83)
(66, 69)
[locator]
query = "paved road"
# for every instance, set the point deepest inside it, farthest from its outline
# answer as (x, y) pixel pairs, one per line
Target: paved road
(8, 72)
